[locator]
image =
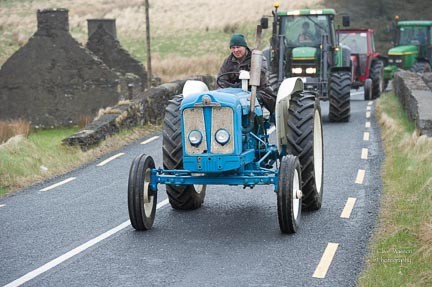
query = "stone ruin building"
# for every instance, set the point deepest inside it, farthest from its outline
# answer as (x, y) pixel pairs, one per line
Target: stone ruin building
(54, 81)
(103, 42)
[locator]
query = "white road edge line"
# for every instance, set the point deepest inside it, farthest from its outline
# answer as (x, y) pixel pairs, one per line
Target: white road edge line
(349, 205)
(326, 260)
(370, 103)
(364, 153)
(110, 159)
(357, 93)
(53, 263)
(58, 184)
(367, 125)
(360, 176)
(2, 205)
(368, 108)
(368, 114)
(150, 140)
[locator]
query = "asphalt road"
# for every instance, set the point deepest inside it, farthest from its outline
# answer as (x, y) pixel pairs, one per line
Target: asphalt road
(78, 233)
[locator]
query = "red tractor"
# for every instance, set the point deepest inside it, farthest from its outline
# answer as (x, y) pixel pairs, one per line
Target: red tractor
(367, 64)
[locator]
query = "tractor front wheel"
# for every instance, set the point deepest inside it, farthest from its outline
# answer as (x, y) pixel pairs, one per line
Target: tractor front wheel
(339, 96)
(305, 140)
(368, 90)
(141, 198)
(185, 197)
(289, 194)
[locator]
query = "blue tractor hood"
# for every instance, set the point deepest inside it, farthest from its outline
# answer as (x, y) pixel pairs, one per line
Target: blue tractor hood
(206, 114)
(229, 97)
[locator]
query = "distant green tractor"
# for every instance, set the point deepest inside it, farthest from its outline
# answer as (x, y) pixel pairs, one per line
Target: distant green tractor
(304, 44)
(412, 49)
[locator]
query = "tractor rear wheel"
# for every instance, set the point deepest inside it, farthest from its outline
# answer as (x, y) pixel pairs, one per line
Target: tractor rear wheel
(141, 198)
(305, 140)
(289, 195)
(185, 197)
(421, 67)
(339, 96)
(377, 76)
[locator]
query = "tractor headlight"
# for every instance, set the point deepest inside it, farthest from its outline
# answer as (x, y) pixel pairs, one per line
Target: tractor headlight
(222, 136)
(296, 70)
(311, 70)
(195, 138)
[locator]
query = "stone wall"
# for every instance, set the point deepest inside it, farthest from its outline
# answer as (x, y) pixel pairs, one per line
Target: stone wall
(148, 108)
(53, 80)
(415, 94)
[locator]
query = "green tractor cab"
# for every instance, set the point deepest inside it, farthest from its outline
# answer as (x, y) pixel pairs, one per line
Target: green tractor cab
(304, 44)
(412, 49)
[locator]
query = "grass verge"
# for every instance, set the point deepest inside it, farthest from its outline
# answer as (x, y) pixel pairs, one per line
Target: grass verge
(401, 250)
(25, 161)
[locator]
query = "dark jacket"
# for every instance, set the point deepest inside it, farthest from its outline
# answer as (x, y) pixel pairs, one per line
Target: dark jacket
(231, 64)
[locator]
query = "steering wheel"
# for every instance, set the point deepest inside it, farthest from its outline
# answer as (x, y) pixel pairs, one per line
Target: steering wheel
(218, 79)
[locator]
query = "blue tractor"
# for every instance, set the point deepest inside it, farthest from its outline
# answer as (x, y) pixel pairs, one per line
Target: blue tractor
(221, 137)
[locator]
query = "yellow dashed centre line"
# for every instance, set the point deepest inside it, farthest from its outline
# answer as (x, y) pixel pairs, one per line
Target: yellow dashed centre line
(110, 159)
(368, 114)
(364, 153)
(58, 184)
(365, 136)
(367, 125)
(326, 260)
(360, 176)
(349, 205)
(150, 140)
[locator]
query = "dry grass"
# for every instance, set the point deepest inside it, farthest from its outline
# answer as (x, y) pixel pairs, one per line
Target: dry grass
(167, 17)
(9, 129)
(177, 67)
(173, 26)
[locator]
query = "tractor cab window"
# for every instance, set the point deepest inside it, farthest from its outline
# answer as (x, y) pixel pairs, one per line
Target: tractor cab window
(356, 41)
(303, 30)
(414, 35)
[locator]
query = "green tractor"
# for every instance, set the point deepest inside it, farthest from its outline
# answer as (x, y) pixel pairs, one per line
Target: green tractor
(304, 44)
(412, 49)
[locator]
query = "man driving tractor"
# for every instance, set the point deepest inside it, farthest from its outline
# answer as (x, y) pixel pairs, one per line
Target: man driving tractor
(306, 34)
(240, 59)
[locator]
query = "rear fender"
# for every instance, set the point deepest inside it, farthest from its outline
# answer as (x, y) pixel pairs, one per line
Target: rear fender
(288, 87)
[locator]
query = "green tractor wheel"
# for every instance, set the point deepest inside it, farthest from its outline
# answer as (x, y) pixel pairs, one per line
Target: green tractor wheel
(186, 197)
(421, 67)
(339, 96)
